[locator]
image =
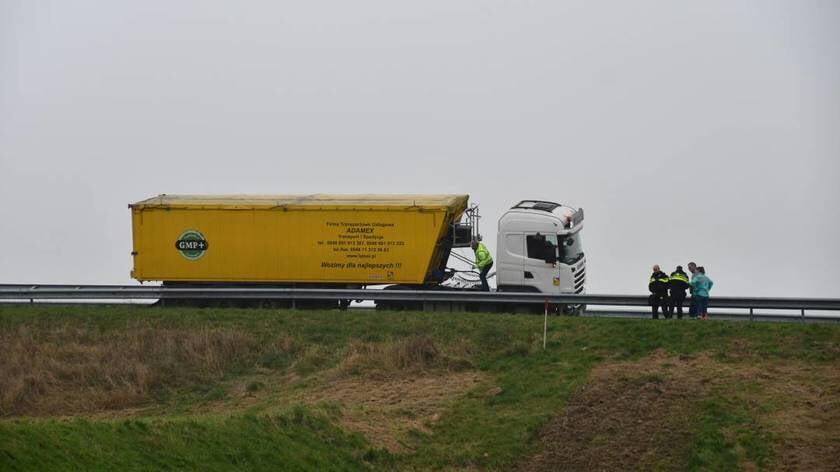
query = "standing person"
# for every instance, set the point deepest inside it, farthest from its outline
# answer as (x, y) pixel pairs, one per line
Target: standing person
(700, 286)
(692, 306)
(678, 283)
(658, 287)
(483, 262)
(692, 267)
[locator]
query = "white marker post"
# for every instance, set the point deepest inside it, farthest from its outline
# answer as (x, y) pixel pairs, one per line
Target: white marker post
(545, 323)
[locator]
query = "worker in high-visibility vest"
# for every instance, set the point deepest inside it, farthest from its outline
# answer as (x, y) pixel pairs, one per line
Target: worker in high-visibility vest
(677, 286)
(658, 287)
(483, 262)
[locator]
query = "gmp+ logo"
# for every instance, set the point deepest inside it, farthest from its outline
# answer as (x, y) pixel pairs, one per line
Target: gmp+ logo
(191, 244)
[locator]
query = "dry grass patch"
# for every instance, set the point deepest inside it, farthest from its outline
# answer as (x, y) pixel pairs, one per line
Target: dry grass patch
(74, 370)
(384, 410)
(388, 388)
(402, 356)
(64, 370)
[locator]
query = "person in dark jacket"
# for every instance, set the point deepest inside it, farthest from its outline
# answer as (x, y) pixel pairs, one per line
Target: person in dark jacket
(692, 306)
(658, 287)
(677, 285)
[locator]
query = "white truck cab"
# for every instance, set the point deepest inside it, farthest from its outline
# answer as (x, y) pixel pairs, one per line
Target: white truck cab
(539, 249)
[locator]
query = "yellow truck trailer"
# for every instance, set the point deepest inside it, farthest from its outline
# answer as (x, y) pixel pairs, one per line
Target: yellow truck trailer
(352, 240)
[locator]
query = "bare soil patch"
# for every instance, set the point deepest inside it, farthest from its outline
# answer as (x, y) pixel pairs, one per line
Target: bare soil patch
(616, 421)
(637, 415)
(806, 419)
(383, 410)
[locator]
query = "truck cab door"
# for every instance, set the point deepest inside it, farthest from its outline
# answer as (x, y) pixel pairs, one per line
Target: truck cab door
(510, 260)
(539, 262)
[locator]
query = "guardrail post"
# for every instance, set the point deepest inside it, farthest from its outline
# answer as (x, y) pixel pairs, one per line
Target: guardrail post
(751, 313)
(803, 314)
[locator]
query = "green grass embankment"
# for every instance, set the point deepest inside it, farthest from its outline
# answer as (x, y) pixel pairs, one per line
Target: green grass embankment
(135, 387)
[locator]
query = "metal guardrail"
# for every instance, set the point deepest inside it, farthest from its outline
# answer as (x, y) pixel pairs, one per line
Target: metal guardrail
(755, 315)
(132, 292)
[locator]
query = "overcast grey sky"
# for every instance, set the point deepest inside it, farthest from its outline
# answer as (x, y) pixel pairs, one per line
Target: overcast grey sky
(705, 130)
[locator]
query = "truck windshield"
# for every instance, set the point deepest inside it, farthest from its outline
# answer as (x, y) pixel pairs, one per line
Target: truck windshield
(571, 248)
